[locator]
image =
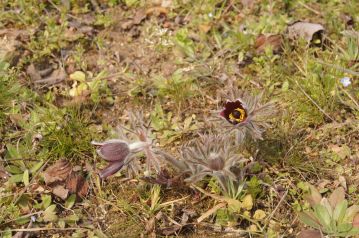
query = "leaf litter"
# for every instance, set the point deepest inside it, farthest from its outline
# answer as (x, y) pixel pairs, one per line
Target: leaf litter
(125, 43)
(64, 181)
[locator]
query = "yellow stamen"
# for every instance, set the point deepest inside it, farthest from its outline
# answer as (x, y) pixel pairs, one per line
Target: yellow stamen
(242, 114)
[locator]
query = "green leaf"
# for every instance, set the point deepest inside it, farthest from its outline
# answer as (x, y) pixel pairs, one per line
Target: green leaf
(71, 218)
(12, 151)
(17, 178)
(12, 169)
(350, 213)
(352, 232)
(326, 204)
(25, 177)
(344, 227)
(222, 216)
(50, 214)
(234, 205)
(339, 211)
(323, 215)
(100, 234)
(78, 76)
(36, 167)
(309, 219)
(70, 201)
(46, 201)
(22, 220)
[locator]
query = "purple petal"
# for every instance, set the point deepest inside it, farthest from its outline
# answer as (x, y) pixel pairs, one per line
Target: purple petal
(230, 107)
(114, 151)
(111, 169)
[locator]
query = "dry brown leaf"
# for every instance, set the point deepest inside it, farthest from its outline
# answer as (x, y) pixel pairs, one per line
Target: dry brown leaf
(3, 173)
(58, 172)
(309, 234)
(127, 24)
(33, 73)
(139, 16)
(57, 76)
(205, 27)
(60, 191)
(171, 230)
(72, 34)
(157, 11)
(248, 3)
(150, 225)
(263, 41)
(77, 184)
(305, 30)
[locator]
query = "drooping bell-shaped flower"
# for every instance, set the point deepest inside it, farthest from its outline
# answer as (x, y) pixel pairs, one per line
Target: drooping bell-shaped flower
(117, 153)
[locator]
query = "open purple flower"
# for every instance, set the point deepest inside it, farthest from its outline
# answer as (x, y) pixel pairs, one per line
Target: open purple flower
(117, 153)
(246, 115)
(234, 112)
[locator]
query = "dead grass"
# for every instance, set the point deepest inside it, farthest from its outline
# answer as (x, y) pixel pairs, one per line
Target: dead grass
(174, 64)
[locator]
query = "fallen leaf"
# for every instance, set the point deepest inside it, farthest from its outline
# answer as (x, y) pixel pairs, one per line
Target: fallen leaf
(150, 225)
(311, 32)
(171, 230)
(3, 173)
(8, 48)
(47, 76)
(248, 3)
(60, 191)
(205, 27)
(71, 34)
(342, 151)
(263, 41)
(127, 24)
(77, 184)
(33, 73)
(58, 172)
(139, 17)
(309, 234)
(157, 11)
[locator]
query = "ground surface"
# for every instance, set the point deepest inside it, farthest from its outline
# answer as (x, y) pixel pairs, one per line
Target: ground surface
(72, 70)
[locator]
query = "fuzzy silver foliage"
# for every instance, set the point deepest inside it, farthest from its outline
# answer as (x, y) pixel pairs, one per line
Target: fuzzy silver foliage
(210, 155)
(123, 153)
(257, 119)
